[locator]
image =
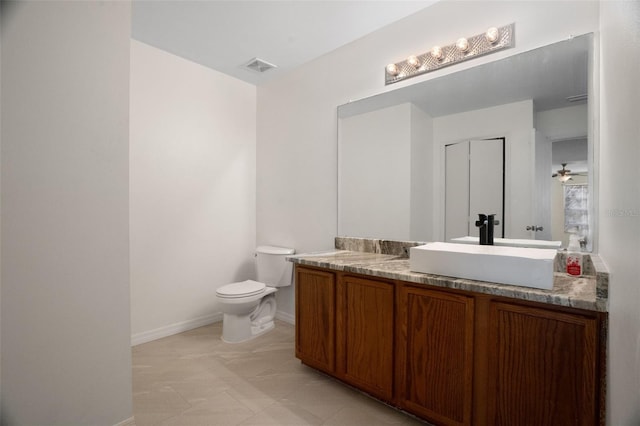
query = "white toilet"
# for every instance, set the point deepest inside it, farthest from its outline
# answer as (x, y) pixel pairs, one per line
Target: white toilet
(250, 306)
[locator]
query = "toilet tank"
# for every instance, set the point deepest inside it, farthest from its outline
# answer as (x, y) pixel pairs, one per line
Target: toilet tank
(271, 266)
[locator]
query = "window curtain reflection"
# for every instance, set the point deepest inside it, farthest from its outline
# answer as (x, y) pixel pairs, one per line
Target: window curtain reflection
(576, 214)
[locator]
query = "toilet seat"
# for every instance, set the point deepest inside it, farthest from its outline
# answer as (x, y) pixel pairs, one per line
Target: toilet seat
(241, 289)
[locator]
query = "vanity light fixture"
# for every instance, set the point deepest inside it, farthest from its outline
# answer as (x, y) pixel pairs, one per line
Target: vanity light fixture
(392, 70)
(436, 53)
(492, 35)
(465, 48)
(413, 61)
(462, 44)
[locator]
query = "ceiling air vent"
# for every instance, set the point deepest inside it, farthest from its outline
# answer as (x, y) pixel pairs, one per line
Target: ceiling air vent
(258, 65)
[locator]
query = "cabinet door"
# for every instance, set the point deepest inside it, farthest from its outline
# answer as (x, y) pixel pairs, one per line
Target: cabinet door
(542, 367)
(315, 318)
(435, 355)
(365, 334)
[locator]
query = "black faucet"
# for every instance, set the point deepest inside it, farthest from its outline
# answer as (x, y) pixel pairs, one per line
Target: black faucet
(486, 222)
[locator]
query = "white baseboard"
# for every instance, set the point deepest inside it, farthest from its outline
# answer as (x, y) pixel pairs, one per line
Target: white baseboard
(170, 330)
(128, 422)
(286, 317)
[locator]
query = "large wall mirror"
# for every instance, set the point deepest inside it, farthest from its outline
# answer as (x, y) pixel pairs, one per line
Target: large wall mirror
(510, 137)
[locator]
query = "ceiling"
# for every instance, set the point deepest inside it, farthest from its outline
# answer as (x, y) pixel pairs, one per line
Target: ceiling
(225, 35)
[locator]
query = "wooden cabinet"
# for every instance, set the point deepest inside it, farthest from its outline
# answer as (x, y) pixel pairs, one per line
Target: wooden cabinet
(316, 318)
(542, 367)
(453, 357)
(365, 330)
(435, 354)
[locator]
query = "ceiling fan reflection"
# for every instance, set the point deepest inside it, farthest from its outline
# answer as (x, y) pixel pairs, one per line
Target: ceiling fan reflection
(565, 174)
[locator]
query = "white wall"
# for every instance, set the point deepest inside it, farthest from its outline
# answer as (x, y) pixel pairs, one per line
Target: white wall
(421, 188)
(66, 357)
(542, 204)
(514, 122)
(296, 193)
(192, 145)
(619, 218)
(384, 174)
(1, 32)
(375, 196)
(574, 152)
(2, 18)
(297, 123)
(563, 123)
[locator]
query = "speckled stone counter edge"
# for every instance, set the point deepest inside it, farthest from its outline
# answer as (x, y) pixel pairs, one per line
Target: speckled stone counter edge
(372, 245)
(389, 259)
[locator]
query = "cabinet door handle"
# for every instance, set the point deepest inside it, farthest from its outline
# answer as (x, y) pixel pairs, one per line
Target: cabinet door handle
(535, 228)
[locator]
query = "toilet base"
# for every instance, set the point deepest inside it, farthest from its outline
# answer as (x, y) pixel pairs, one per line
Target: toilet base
(241, 328)
(237, 329)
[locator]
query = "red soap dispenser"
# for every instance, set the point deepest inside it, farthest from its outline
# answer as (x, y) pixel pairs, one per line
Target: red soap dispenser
(574, 256)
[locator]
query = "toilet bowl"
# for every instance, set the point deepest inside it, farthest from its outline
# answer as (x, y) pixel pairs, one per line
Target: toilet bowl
(249, 307)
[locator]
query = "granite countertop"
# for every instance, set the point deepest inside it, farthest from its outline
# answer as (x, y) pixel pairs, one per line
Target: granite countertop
(568, 291)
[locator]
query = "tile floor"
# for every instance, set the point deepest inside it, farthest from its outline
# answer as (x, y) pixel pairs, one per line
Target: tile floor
(194, 378)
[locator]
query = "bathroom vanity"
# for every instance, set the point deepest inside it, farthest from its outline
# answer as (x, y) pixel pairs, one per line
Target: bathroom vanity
(450, 350)
(454, 351)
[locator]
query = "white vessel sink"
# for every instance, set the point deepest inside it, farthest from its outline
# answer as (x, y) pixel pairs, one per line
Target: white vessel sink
(526, 267)
(512, 242)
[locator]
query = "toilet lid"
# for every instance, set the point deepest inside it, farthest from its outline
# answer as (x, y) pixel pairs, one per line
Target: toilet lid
(241, 289)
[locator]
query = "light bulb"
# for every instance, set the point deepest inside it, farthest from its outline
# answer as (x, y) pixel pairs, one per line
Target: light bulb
(492, 35)
(436, 52)
(462, 44)
(413, 61)
(392, 69)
